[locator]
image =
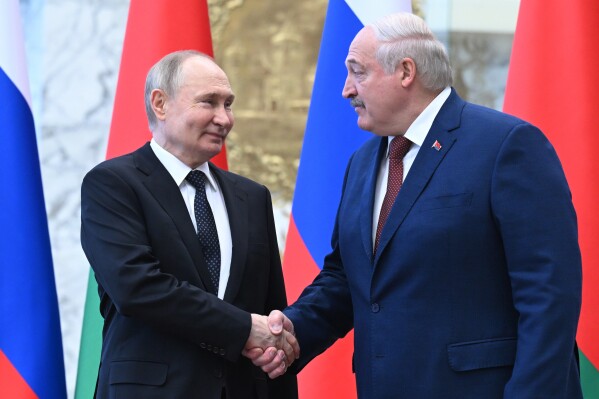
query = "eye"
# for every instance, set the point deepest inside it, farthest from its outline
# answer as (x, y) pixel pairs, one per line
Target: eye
(356, 71)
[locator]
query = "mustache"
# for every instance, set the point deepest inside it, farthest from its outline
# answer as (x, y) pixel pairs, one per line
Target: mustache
(356, 102)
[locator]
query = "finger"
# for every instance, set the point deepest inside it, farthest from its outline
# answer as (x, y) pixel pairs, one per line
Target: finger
(293, 343)
(275, 363)
(269, 355)
(288, 349)
(288, 325)
(252, 353)
(279, 371)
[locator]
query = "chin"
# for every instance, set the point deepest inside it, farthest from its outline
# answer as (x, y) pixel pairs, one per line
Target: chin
(364, 125)
(215, 151)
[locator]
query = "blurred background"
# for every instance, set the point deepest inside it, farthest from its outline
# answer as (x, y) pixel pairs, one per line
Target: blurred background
(268, 48)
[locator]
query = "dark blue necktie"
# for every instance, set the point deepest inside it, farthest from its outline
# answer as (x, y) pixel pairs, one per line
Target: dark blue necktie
(207, 233)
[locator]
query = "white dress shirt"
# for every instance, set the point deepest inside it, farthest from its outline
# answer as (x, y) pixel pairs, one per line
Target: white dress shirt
(179, 171)
(416, 133)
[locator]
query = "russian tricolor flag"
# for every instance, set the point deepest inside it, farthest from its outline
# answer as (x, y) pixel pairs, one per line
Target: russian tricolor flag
(31, 357)
(331, 136)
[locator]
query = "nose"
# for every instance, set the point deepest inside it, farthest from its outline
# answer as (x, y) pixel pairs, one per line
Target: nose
(223, 117)
(349, 90)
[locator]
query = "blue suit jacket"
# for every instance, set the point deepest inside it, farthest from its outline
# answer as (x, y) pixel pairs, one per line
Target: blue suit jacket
(475, 289)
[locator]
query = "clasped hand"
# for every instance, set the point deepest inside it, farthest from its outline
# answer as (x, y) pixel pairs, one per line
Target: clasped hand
(272, 345)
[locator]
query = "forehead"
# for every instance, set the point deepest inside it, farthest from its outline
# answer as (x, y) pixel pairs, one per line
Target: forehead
(203, 73)
(362, 49)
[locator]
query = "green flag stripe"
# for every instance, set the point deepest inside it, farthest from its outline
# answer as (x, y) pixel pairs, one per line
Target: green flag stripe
(589, 377)
(91, 343)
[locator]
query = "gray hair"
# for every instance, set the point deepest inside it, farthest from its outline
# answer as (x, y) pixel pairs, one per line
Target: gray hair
(166, 75)
(405, 35)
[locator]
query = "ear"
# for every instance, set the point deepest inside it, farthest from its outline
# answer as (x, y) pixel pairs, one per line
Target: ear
(158, 100)
(407, 72)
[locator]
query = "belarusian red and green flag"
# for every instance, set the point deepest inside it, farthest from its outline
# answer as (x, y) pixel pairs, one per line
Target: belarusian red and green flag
(154, 29)
(553, 82)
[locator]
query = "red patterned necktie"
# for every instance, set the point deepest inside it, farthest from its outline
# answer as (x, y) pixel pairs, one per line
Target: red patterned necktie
(397, 150)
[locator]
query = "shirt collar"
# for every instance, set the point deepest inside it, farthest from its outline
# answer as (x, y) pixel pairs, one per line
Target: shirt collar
(177, 169)
(418, 130)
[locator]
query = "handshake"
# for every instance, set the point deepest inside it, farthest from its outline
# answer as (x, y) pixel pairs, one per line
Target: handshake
(272, 345)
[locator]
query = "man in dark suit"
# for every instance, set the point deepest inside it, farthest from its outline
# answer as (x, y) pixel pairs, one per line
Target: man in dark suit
(185, 254)
(455, 255)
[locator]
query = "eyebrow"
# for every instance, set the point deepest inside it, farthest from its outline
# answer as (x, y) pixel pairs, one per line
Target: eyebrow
(352, 61)
(214, 94)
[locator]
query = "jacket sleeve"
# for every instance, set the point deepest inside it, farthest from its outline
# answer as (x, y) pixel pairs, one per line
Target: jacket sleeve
(533, 209)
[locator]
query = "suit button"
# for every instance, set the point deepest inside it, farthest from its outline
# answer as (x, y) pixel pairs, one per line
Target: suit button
(222, 352)
(203, 345)
(375, 308)
(215, 350)
(209, 347)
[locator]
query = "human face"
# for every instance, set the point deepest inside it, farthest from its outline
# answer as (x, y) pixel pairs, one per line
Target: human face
(377, 97)
(198, 117)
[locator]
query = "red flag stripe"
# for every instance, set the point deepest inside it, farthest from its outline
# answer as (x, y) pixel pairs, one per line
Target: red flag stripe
(12, 385)
(297, 278)
(312, 381)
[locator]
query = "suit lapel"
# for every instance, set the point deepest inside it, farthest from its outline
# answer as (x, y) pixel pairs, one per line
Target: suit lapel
(237, 210)
(424, 166)
(161, 185)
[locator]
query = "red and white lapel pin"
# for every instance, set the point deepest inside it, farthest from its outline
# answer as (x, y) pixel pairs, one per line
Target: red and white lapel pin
(436, 145)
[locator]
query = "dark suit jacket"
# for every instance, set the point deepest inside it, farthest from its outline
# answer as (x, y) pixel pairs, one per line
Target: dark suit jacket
(164, 336)
(475, 289)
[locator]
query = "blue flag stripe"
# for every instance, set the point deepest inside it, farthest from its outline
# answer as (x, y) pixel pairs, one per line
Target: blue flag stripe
(331, 135)
(30, 333)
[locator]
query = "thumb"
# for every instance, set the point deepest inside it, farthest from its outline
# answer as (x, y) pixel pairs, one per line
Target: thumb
(275, 322)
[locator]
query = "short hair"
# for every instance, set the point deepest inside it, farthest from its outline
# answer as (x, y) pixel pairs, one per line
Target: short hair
(166, 75)
(405, 35)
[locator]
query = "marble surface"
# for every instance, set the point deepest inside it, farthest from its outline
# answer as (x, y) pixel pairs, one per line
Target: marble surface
(74, 49)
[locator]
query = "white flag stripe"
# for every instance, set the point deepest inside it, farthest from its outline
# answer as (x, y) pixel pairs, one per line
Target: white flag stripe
(369, 11)
(12, 51)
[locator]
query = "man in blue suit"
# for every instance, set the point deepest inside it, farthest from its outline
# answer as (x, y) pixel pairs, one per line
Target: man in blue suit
(470, 288)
